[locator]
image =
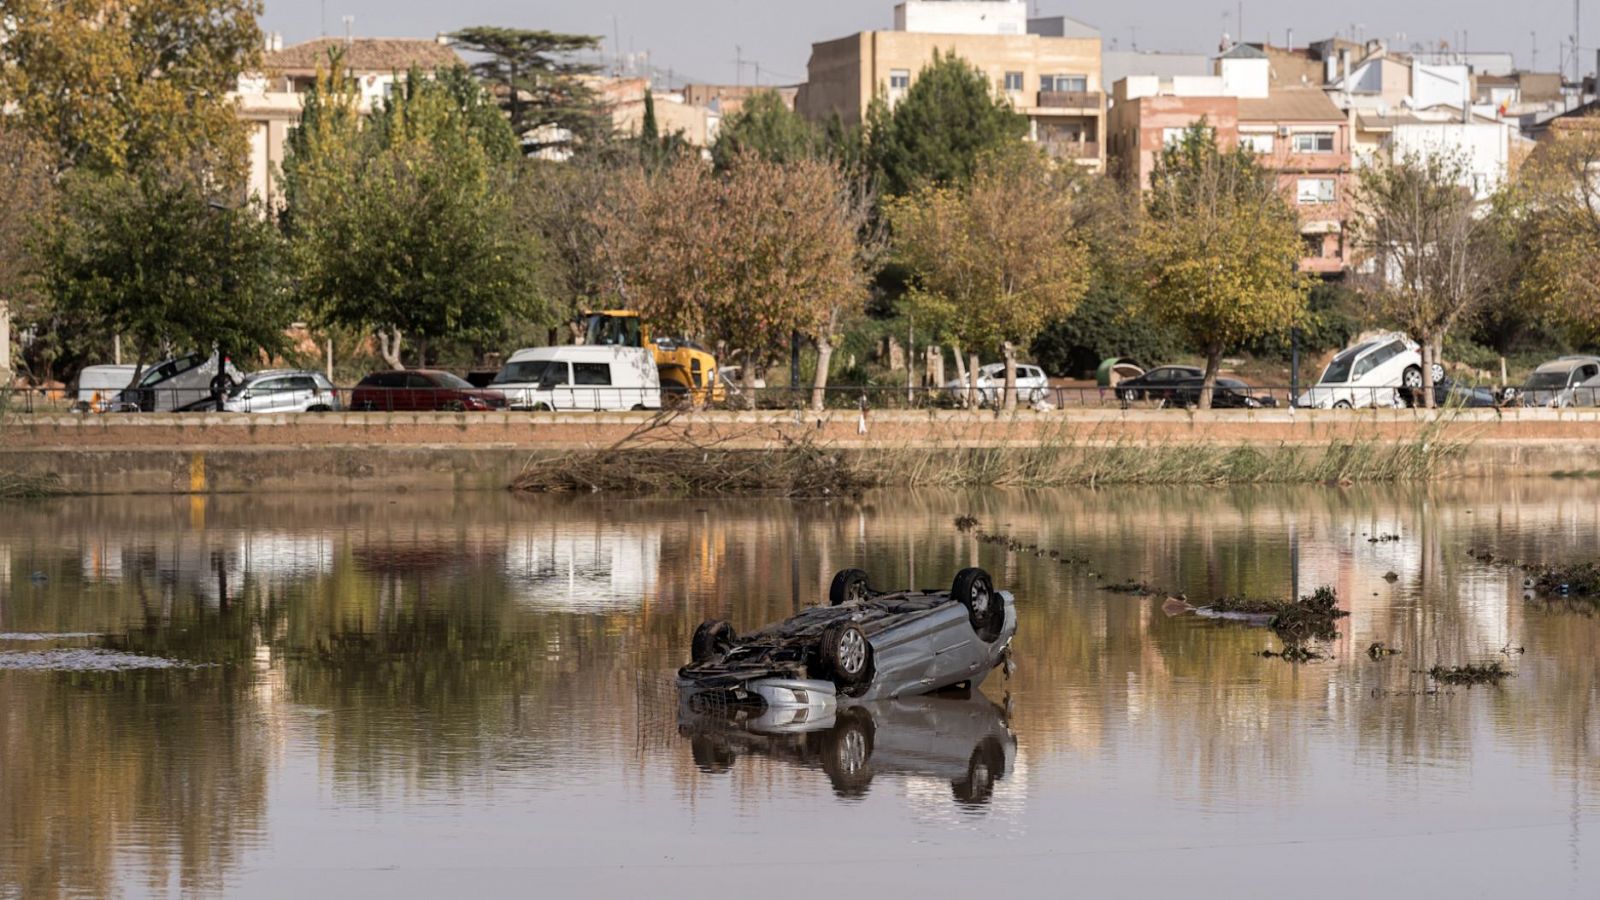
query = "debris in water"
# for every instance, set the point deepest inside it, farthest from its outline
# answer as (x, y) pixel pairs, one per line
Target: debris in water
(1391, 577)
(1136, 588)
(86, 660)
(1177, 605)
(966, 522)
(1378, 650)
(1508, 650)
(1294, 653)
(47, 636)
(1383, 538)
(1579, 580)
(1470, 674)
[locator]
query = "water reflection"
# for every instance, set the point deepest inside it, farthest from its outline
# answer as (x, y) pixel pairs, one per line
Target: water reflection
(410, 658)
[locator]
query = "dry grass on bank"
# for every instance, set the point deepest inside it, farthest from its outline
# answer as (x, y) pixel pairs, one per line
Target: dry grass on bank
(647, 462)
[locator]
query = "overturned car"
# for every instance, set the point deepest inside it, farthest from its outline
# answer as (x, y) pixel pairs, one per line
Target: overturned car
(864, 645)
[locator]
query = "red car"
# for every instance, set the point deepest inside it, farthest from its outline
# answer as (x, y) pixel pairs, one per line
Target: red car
(421, 390)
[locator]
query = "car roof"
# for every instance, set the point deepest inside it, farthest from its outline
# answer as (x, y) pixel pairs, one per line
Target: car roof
(278, 373)
(574, 351)
(1567, 363)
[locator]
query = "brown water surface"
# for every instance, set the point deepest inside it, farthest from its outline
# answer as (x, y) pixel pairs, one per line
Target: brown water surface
(461, 695)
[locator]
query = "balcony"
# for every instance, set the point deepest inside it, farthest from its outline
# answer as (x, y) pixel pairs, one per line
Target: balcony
(1084, 151)
(1073, 101)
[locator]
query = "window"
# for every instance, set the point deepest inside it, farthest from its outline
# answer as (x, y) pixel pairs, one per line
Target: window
(555, 374)
(1314, 142)
(1259, 144)
(1064, 83)
(526, 372)
(1365, 365)
(899, 79)
(1316, 190)
(1013, 81)
(270, 386)
(303, 383)
(414, 380)
(591, 373)
(1171, 137)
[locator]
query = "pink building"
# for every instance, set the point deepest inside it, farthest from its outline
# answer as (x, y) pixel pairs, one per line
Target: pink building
(1296, 131)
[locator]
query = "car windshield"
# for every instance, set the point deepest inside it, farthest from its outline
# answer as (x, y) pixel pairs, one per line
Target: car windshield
(526, 372)
(445, 379)
(1547, 381)
(1338, 371)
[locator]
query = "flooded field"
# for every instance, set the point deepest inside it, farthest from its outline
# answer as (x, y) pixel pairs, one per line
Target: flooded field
(450, 695)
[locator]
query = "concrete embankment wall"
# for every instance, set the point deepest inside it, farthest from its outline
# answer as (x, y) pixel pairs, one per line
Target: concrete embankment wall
(154, 453)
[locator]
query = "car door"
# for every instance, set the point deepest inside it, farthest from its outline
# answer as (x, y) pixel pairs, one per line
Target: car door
(299, 394)
(591, 386)
(420, 393)
(266, 395)
(558, 381)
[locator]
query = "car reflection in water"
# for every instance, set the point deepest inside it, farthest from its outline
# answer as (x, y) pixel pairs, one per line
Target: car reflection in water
(963, 738)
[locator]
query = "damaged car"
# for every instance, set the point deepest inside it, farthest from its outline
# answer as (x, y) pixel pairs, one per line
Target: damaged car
(864, 645)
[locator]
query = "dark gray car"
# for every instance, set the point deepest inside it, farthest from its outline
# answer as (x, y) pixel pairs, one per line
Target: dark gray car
(864, 645)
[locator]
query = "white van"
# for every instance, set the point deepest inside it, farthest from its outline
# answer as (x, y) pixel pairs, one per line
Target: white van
(99, 386)
(582, 377)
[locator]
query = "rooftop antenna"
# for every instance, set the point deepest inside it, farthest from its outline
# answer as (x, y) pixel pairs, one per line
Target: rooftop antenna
(324, 18)
(1577, 76)
(1133, 37)
(349, 21)
(1533, 51)
(738, 65)
(616, 47)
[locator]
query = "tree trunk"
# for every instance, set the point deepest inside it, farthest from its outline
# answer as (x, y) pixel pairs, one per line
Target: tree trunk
(1213, 363)
(1009, 403)
(961, 374)
(1427, 373)
(390, 349)
(747, 377)
(972, 381)
(819, 385)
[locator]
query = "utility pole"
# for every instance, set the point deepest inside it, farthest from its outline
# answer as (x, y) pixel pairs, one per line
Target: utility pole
(1577, 63)
(738, 64)
(1533, 51)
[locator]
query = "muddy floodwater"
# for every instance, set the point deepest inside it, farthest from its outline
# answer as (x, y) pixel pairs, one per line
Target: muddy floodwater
(471, 695)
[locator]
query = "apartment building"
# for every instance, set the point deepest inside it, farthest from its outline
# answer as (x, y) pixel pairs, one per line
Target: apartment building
(1297, 132)
(1048, 68)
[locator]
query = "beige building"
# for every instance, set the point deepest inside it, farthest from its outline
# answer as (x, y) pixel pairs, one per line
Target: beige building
(269, 101)
(1049, 69)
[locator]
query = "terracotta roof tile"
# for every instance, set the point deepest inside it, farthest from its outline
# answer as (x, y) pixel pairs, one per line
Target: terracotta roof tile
(1290, 105)
(364, 55)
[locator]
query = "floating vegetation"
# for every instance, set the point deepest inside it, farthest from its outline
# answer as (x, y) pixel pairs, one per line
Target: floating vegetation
(1470, 674)
(85, 660)
(1312, 616)
(1293, 653)
(1379, 650)
(1577, 580)
(1391, 577)
(1383, 538)
(1136, 588)
(966, 523)
(22, 486)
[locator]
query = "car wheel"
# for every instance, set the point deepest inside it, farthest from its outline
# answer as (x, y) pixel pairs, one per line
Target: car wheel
(1438, 372)
(714, 637)
(846, 652)
(638, 407)
(847, 752)
(542, 407)
(986, 766)
(1341, 404)
(849, 585)
(319, 408)
(455, 406)
(975, 590)
(1412, 378)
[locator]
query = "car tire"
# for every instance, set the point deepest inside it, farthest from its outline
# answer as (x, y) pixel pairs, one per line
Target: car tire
(1412, 378)
(1341, 404)
(974, 589)
(848, 585)
(986, 766)
(542, 407)
(320, 408)
(1438, 372)
(847, 752)
(714, 637)
(847, 654)
(638, 407)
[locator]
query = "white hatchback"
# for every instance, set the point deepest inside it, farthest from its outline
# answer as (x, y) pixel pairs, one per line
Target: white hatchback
(1032, 384)
(1381, 371)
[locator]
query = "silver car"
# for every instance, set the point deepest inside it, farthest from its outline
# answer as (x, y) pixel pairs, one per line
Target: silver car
(283, 391)
(864, 645)
(1561, 383)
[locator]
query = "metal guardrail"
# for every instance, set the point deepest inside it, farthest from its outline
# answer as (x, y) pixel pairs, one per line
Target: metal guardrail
(603, 398)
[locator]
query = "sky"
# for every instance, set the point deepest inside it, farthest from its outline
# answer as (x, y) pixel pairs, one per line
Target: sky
(705, 38)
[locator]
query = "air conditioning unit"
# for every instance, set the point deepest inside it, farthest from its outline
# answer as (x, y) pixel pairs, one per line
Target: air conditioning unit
(1283, 131)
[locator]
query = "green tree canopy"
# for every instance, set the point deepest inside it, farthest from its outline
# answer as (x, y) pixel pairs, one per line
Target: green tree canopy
(767, 127)
(116, 86)
(539, 85)
(1219, 249)
(405, 227)
(161, 259)
(948, 119)
(993, 261)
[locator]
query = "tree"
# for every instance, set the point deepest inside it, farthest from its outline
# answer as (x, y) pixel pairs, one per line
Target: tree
(1435, 257)
(1219, 249)
(538, 84)
(992, 262)
(117, 86)
(161, 257)
(947, 121)
(744, 258)
(29, 192)
(405, 227)
(768, 128)
(1552, 211)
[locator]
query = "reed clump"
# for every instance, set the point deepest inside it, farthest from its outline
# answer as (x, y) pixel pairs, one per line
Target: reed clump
(23, 486)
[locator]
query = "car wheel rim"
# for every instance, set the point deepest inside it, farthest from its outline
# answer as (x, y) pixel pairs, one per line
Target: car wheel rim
(857, 593)
(1413, 379)
(980, 600)
(852, 752)
(852, 652)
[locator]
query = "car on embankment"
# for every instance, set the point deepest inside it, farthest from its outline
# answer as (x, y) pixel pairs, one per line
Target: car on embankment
(1033, 385)
(1382, 371)
(864, 645)
(421, 390)
(1181, 386)
(597, 377)
(180, 383)
(283, 391)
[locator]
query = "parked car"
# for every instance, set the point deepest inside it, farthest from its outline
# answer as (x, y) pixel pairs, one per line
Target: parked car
(864, 645)
(421, 390)
(283, 390)
(180, 383)
(98, 387)
(584, 377)
(964, 740)
(1032, 384)
(1561, 383)
(1374, 372)
(1183, 385)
